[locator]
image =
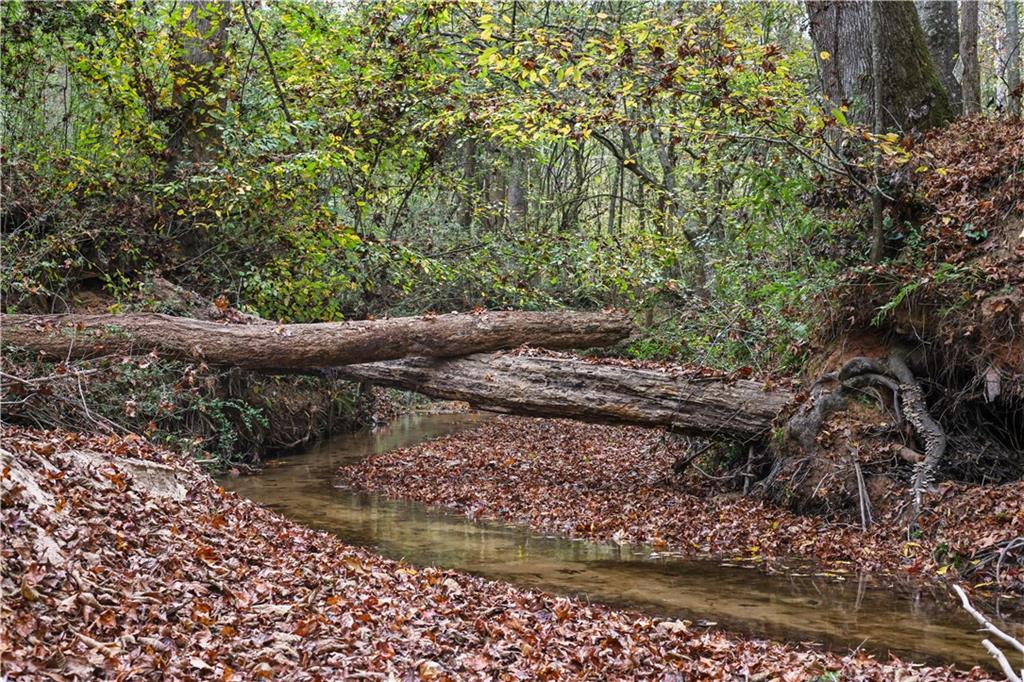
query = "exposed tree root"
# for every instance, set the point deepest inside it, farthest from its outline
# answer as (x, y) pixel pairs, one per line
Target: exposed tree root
(831, 394)
(927, 429)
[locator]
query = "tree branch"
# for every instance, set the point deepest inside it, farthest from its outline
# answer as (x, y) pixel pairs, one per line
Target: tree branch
(270, 64)
(633, 167)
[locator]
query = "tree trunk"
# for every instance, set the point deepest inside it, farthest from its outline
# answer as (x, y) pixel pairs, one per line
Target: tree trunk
(684, 401)
(913, 97)
(300, 347)
(942, 35)
(1011, 59)
(616, 188)
(193, 130)
(970, 81)
(515, 195)
(495, 196)
(471, 184)
(841, 33)
(774, 419)
(877, 127)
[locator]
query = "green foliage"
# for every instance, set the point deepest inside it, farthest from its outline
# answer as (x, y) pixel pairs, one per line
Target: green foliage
(945, 272)
(323, 161)
(172, 404)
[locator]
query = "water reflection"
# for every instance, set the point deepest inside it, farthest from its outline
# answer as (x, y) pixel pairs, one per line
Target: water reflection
(922, 625)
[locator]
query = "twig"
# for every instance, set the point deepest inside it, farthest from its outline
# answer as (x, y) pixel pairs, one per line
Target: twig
(865, 501)
(49, 377)
(270, 64)
(987, 625)
(993, 650)
(680, 466)
(749, 471)
(1013, 544)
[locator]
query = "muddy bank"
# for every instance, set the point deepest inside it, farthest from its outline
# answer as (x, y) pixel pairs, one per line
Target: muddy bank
(131, 562)
(617, 484)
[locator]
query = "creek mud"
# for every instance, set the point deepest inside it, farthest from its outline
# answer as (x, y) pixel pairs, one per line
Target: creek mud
(844, 612)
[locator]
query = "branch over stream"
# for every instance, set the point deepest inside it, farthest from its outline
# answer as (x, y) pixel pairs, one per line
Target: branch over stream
(270, 347)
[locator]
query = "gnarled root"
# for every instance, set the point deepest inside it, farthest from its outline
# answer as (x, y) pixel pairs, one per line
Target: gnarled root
(830, 394)
(926, 428)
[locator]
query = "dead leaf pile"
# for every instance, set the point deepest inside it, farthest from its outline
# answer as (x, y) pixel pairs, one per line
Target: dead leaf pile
(970, 174)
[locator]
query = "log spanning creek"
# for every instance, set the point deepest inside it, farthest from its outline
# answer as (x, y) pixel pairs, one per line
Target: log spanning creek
(923, 624)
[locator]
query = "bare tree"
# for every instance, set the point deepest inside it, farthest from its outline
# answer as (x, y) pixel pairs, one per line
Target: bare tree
(1011, 58)
(471, 184)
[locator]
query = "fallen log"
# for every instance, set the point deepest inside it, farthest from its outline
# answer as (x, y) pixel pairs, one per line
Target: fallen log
(307, 346)
(711, 407)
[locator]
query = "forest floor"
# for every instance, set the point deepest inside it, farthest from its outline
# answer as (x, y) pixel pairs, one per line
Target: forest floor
(124, 561)
(616, 484)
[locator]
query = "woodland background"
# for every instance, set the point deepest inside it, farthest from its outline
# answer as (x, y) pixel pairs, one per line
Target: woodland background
(711, 168)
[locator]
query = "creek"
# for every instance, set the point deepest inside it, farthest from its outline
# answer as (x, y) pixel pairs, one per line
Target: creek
(841, 612)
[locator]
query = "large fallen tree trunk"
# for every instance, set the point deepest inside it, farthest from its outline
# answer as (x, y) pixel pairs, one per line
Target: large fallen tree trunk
(693, 402)
(712, 407)
(307, 346)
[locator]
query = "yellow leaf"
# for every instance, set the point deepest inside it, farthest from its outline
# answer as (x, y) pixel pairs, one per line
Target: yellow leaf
(825, 55)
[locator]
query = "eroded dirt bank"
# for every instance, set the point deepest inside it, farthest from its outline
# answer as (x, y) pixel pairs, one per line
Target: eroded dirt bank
(616, 483)
(123, 561)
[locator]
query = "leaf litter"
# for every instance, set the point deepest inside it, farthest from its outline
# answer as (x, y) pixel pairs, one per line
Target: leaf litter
(616, 484)
(105, 578)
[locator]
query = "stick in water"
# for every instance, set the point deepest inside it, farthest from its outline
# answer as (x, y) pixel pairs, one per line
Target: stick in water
(986, 624)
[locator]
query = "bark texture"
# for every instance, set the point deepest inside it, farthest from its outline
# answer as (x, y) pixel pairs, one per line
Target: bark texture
(970, 82)
(307, 346)
(1011, 58)
(687, 402)
(942, 35)
(841, 34)
(913, 97)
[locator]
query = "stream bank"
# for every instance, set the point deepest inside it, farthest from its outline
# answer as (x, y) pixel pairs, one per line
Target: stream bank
(616, 484)
(842, 611)
(107, 575)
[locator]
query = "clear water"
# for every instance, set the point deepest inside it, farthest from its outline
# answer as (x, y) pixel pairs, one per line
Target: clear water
(923, 624)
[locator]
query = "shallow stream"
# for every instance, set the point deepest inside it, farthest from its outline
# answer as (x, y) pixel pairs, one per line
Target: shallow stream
(921, 624)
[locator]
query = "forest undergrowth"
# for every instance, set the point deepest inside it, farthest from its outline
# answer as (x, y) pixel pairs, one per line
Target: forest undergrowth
(698, 165)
